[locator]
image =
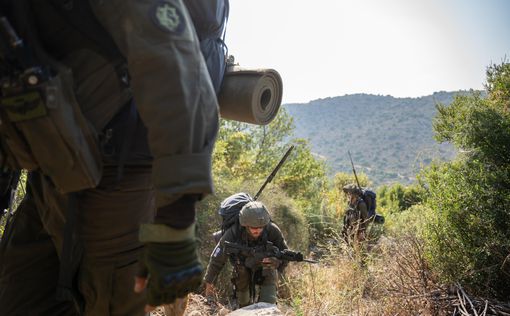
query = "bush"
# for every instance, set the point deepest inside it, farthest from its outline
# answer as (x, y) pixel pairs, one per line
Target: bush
(468, 235)
(408, 222)
(396, 198)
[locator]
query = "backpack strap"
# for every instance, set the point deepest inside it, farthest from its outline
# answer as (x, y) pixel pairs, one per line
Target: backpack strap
(132, 126)
(237, 230)
(265, 235)
(72, 253)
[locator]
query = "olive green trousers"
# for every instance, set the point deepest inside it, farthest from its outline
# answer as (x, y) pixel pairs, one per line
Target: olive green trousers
(265, 287)
(107, 228)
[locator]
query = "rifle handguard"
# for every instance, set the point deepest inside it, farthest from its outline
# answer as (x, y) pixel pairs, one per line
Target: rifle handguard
(290, 255)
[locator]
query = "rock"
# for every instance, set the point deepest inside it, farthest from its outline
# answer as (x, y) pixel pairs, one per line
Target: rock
(259, 309)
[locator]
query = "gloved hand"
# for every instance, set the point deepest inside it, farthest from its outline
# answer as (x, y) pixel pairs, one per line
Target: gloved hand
(271, 263)
(170, 264)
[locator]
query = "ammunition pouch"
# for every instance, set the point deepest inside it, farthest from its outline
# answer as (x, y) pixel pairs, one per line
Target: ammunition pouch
(43, 129)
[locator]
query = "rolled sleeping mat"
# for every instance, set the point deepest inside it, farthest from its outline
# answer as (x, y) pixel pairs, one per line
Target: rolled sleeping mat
(250, 95)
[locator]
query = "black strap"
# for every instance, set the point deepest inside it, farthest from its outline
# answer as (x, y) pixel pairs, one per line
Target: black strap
(72, 251)
(235, 275)
(131, 127)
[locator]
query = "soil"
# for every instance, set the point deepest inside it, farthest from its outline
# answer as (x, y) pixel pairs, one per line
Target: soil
(197, 306)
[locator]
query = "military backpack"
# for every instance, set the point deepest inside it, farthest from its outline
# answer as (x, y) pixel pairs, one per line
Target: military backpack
(229, 211)
(370, 199)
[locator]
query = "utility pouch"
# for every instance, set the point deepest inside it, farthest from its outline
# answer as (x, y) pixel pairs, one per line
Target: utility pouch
(42, 128)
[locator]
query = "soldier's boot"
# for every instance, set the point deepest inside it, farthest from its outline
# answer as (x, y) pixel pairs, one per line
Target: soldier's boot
(177, 308)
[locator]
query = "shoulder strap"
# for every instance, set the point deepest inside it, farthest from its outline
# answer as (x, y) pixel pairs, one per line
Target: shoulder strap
(72, 253)
(132, 125)
(265, 235)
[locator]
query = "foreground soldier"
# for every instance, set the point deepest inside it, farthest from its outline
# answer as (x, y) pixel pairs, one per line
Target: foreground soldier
(176, 102)
(356, 216)
(256, 229)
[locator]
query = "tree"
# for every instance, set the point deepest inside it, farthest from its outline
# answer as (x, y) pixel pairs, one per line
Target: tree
(246, 154)
(469, 233)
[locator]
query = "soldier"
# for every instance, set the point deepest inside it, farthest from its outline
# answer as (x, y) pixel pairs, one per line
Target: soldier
(356, 215)
(161, 67)
(255, 229)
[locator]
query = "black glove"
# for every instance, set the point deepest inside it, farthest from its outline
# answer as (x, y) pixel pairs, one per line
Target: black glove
(173, 267)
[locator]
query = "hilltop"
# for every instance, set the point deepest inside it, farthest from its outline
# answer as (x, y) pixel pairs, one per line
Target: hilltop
(389, 138)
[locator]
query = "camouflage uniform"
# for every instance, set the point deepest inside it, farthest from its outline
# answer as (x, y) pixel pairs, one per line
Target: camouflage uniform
(175, 101)
(356, 216)
(243, 275)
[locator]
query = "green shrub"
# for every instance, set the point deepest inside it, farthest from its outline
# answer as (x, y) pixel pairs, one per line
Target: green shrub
(468, 235)
(396, 197)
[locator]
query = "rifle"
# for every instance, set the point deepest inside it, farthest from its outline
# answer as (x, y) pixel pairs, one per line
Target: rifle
(275, 170)
(354, 171)
(254, 255)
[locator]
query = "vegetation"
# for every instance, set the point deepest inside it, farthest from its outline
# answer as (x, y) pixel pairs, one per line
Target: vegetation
(446, 237)
(390, 139)
(17, 197)
(398, 197)
(468, 235)
(445, 246)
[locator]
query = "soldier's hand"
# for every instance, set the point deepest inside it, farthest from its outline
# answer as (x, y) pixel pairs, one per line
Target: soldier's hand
(209, 290)
(271, 263)
(169, 270)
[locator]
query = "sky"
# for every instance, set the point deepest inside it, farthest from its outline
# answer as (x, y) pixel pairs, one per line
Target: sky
(403, 48)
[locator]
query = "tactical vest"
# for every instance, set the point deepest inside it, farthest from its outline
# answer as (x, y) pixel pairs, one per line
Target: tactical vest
(352, 214)
(47, 122)
(59, 121)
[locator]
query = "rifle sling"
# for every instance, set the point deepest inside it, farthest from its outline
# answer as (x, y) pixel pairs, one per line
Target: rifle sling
(71, 256)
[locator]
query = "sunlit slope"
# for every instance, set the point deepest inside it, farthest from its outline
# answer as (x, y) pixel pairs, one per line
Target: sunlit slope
(389, 138)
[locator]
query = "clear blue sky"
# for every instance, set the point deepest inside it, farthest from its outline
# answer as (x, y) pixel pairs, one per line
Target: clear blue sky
(403, 48)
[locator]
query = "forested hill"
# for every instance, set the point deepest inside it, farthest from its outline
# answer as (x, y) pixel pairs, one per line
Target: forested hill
(389, 138)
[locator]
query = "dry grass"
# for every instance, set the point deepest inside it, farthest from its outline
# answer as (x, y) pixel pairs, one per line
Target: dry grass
(390, 279)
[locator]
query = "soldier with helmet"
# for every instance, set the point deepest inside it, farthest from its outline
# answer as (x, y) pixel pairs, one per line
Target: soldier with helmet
(255, 228)
(356, 215)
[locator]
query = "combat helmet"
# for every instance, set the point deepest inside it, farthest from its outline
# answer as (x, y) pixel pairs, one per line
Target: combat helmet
(254, 214)
(352, 189)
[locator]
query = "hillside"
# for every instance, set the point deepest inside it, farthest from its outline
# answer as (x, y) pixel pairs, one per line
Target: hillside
(389, 138)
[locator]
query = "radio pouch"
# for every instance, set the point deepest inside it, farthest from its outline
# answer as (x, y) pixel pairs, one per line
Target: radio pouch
(42, 127)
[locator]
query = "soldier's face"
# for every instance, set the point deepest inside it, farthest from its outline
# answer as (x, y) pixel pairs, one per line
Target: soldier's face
(255, 232)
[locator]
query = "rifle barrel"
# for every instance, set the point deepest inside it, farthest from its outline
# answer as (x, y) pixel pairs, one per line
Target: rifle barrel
(275, 170)
(354, 170)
